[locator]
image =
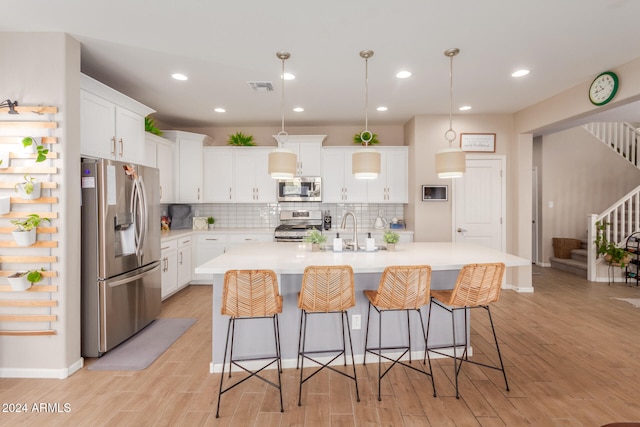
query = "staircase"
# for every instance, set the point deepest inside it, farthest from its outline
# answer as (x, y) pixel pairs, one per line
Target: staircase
(577, 264)
(621, 137)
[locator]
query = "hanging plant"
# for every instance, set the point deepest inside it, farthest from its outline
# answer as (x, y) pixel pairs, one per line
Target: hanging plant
(240, 139)
(32, 142)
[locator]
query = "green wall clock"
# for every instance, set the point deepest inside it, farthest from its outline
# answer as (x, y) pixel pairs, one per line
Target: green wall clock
(603, 88)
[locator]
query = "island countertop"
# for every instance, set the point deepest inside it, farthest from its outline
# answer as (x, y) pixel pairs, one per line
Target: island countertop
(292, 258)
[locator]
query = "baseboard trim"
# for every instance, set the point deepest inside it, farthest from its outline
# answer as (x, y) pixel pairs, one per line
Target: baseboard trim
(42, 373)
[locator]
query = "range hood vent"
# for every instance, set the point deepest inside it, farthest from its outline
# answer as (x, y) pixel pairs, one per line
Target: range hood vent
(261, 86)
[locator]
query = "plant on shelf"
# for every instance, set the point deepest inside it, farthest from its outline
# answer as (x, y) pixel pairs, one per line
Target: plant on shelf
(240, 139)
(29, 188)
(613, 254)
(211, 220)
(357, 138)
(32, 142)
(150, 126)
(25, 235)
(23, 280)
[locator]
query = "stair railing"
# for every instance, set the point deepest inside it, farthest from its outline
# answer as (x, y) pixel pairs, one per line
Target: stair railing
(620, 220)
(621, 137)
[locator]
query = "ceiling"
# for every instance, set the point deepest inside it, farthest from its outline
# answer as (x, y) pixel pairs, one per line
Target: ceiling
(134, 47)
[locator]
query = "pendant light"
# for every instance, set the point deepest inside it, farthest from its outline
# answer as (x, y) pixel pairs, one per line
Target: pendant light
(282, 162)
(365, 164)
(450, 162)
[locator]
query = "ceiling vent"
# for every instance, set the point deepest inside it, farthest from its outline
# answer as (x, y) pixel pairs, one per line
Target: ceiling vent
(261, 86)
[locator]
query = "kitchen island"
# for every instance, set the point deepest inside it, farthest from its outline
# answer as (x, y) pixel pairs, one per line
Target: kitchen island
(289, 260)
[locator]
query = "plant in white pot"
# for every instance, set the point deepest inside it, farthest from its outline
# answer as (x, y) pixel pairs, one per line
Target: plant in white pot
(34, 145)
(22, 280)
(30, 188)
(5, 204)
(25, 235)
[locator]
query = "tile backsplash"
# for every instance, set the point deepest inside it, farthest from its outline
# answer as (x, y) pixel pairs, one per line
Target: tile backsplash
(267, 215)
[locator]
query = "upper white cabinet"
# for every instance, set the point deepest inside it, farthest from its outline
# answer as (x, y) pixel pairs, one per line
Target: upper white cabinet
(187, 165)
(392, 184)
(111, 124)
(164, 158)
(251, 180)
(338, 182)
(308, 149)
(218, 174)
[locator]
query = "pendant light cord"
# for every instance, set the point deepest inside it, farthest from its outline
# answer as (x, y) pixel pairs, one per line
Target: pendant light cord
(366, 54)
(282, 97)
(450, 135)
(282, 135)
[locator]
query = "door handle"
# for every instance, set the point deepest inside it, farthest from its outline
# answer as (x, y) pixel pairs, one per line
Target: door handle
(461, 230)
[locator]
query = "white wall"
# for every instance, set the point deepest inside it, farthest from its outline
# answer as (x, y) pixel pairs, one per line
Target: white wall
(44, 68)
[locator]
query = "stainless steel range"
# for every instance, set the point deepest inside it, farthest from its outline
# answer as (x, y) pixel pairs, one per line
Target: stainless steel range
(295, 224)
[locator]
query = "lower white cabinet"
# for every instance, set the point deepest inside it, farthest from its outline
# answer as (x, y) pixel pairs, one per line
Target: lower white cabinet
(169, 267)
(206, 247)
(175, 265)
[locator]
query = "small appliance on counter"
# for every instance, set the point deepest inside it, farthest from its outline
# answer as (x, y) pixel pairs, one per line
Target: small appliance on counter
(180, 216)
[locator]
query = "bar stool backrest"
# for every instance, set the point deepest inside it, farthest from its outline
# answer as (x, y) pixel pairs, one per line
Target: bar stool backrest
(478, 284)
(327, 288)
(250, 293)
(403, 287)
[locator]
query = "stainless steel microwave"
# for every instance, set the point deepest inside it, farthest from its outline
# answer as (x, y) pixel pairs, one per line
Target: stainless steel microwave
(300, 189)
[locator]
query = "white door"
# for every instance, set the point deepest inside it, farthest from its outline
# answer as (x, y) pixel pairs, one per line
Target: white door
(479, 203)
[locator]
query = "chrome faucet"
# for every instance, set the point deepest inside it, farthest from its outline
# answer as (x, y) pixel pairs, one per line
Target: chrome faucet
(354, 241)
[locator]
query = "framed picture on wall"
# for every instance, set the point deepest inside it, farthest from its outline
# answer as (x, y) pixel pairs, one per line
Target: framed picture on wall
(478, 142)
(435, 193)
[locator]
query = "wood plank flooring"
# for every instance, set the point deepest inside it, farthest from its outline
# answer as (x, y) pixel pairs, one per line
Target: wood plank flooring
(572, 352)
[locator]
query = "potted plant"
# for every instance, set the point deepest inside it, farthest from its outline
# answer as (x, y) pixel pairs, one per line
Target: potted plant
(391, 238)
(29, 189)
(150, 126)
(4, 159)
(25, 235)
(240, 139)
(357, 138)
(210, 221)
(35, 146)
(315, 237)
(613, 255)
(22, 280)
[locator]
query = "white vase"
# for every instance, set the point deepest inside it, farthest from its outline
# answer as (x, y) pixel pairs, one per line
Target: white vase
(25, 238)
(5, 205)
(35, 194)
(19, 283)
(4, 159)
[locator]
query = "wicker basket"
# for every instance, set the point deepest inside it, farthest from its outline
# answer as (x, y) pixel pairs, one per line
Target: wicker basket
(562, 247)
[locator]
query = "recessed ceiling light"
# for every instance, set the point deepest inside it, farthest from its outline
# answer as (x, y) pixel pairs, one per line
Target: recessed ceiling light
(289, 76)
(465, 108)
(179, 76)
(298, 109)
(520, 73)
(219, 110)
(382, 108)
(403, 74)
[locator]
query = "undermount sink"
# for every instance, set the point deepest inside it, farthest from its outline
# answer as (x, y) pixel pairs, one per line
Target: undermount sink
(349, 248)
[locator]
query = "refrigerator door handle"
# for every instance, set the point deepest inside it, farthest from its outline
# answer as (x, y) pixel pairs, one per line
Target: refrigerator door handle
(145, 212)
(133, 278)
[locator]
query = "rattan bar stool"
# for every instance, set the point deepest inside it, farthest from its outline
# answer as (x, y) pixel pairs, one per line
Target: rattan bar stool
(250, 295)
(477, 286)
(401, 288)
(326, 289)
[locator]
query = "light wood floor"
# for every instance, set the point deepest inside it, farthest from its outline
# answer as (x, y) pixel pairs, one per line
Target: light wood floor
(572, 351)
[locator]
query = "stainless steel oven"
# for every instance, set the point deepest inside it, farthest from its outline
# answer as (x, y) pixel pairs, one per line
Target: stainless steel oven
(300, 189)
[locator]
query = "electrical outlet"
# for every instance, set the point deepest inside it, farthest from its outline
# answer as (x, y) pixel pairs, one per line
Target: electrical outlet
(356, 321)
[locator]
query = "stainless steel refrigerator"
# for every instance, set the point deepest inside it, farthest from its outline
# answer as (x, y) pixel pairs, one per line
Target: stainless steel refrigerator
(120, 252)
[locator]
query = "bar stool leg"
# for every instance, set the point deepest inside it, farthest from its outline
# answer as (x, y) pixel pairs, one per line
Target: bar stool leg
(455, 357)
(224, 359)
(433, 383)
(366, 336)
(353, 360)
(344, 344)
(495, 337)
(233, 334)
(302, 347)
(379, 353)
(276, 336)
(299, 342)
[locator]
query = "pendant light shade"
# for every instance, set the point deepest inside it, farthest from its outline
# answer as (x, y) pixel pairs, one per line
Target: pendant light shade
(451, 162)
(365, 164)
(282, 162)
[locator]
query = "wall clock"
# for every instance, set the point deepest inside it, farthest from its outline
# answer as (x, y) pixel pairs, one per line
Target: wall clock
(603, 88)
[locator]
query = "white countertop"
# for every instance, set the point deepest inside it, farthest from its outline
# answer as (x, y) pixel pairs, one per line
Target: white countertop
(292, 258)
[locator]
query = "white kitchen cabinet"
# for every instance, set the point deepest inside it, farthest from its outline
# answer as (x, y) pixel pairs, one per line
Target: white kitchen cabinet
(308, 149)
(338, 183)
(168, 267)
(218, 174)
(206, 247)
(392, 184)
(184, 267)
(251, 180)
(236, 239)
(111, 124)
(162, 151)
(188, 165)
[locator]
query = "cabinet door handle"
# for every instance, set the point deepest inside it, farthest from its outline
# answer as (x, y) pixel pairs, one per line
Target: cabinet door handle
(113, 145)
(215, 240)
(121, 147)
(198, 197)
(180, 258)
